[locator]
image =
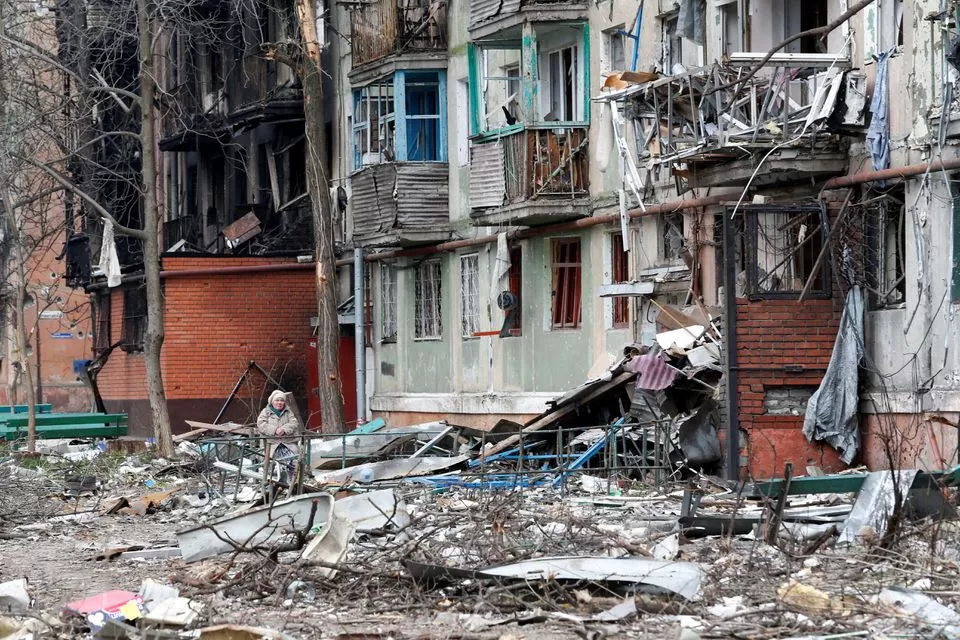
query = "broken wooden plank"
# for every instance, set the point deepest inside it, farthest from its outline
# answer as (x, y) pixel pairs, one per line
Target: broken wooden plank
(555, 416)
(199, 428)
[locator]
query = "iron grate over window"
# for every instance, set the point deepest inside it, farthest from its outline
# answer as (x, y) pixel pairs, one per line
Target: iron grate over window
(388, 303)
(782, 251)
(428, 323)
(469, 295)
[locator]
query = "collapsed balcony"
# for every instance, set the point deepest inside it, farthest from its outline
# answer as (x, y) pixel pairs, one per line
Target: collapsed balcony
(383, 28)
(796, 110)
(536, 175)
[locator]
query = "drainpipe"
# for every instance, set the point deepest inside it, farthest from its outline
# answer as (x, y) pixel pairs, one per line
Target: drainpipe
(730, 347)
(360, 335)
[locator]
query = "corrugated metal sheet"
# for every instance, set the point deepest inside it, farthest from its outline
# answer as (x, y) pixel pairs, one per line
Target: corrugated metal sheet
(374, 210)
(423, 195)
(396, 196)
(487, 179)
(483, 10)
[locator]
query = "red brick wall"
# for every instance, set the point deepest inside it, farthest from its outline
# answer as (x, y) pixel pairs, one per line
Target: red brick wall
(772, 335)
(215, 325)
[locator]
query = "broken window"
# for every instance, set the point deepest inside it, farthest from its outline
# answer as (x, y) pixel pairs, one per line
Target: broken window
(671, 55)
(566, 310)
(101, 323)
(614, 59)
(469, 295)
(885, 251)
(781, 247)
(562, 85)
(400, 119)
(671, 237)
(428, 324)
(730, 31)
(506, 88)
(388, 303)
(803, 16)
(620, 264)
(134, 318)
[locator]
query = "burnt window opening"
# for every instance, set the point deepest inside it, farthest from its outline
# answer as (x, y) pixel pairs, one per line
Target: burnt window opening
(566, 266)
(885, 230)
(134, 319)
(621, 273)
(671, 54)
(781, 246)
(511, 305)
(101, 322)
(803, 16)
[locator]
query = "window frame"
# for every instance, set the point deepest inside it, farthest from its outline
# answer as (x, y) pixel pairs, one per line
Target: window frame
(515, 280)
(664, 225)
(393, 122)
(469, 296)
(388, 303)
(751, 218)
(428, 273)
(619, 272)
(566, 283)
(134, 327)
(534, 87)
(610, 37)
(102, 321)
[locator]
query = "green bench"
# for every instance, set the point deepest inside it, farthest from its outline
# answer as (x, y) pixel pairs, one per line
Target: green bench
(66, 425)
(22, 408)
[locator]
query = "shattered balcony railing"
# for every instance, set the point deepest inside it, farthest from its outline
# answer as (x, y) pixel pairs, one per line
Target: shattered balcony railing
(706, 115)
(538, 161)
(385, 27)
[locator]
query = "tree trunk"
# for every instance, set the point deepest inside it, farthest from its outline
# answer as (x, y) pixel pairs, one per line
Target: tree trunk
(153, 341)
(19, 271)
(318, 184)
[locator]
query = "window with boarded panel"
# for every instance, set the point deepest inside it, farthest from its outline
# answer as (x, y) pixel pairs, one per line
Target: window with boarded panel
(566, 283)
(621, 273)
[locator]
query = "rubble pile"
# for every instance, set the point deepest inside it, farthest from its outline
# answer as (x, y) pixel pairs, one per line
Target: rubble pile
(129, 547)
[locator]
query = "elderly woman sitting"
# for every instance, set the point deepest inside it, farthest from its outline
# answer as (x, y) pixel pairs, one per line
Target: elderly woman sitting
(278, 423)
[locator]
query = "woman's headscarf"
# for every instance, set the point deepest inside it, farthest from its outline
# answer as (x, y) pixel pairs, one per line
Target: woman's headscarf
(273, 396)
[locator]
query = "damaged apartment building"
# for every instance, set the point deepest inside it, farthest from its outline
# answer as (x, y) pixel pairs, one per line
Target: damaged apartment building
(237, 235)
(535, 188)
(538, 185)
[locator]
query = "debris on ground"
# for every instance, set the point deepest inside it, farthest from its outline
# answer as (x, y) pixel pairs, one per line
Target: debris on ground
(598, 518)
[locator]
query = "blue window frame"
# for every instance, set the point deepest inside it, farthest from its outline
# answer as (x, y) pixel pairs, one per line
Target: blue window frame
(402, 118)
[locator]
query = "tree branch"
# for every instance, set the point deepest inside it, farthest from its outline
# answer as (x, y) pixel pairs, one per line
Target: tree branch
(817, 31)
(140, 234)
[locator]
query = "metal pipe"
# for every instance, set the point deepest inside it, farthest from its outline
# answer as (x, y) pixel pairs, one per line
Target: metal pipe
(250, 268)
(908, 171)
(359, 338)
(730, 347)
(575, 225)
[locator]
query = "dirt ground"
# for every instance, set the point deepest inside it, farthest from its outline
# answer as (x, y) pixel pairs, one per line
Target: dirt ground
(750, 589)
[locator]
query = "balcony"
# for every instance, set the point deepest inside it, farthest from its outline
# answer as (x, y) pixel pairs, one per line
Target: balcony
(382, 30)
(191, 124)
(796, 109)
(489, 17)
(401, 204)
(536, 175)
(261, 91)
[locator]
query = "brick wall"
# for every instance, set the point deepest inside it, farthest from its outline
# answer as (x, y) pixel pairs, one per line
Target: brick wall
(781, 344)
(215, 325)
